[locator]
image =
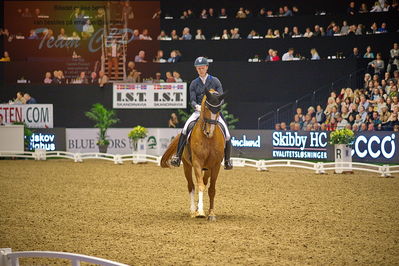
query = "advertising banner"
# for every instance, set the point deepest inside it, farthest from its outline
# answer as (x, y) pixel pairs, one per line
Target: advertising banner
(149, 95)
(376, 147)
(33, 115)
(300, 145)
(85, 139)
(49, 139)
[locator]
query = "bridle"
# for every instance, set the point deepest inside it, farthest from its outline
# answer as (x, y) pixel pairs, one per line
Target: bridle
(215, 109)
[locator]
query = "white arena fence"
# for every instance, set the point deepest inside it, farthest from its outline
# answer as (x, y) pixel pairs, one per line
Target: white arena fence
(260, 165)
(9, 258)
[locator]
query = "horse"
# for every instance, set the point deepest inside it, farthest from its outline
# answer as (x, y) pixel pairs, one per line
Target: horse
(204, 152)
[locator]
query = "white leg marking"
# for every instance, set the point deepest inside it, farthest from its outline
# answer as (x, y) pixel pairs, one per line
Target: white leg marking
(192, 201)
(200, 201)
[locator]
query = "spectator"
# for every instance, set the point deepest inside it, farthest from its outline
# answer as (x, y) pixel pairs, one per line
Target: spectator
(248, 13)
(288, 56)
(102, 78)
(145, 35)
(136, 35)
(113, 54)
(47, 79)
(82, 79)
(62, 35)
(20, 98)
(186, 34)
(235, 35)
(223, 13)
(287, 33)
(315, 54)
(377, 64)
(173, 121)
(169, 77)
(277, 126)
(320, 116)
(377, 7)
(88, 30)
(93, 78)
(295, 32)
(133, 74)
(344, 28)
(174, 56)
(276, 34)
(393, 58)
(211, 13)
(332, 125)
(29, 99)
(363, 127)
(6, 57)
(162, 36)
(199, 35)
(241, 13)
(383, 28)
(369, 53)
(281, 12)
(308, 33)
(342, 123)
(275, 57)
(269, 34)
(283, 126)
(363, 8)
(287, 12)
(176, 76)
(203, 14)
(269, 56)
(351, 9)
(375, 120)
(355, 54)
(317, 31)
(262, 13)
(140, 58)
(184, 15)
(74, 36)
(173, 35)
(225, 35)
(159, 57)
(158, 78)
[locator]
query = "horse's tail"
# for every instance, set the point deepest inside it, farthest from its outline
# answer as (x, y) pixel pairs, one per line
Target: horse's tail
(172, 149)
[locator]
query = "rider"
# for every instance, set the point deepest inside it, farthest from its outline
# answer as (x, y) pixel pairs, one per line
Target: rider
(197, 90)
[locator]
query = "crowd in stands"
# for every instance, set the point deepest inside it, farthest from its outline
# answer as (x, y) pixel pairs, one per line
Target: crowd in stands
(283, 11)
(374, 106)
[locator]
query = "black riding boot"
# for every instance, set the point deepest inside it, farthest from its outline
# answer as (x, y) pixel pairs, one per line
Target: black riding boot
(176, 159)
(228, 165)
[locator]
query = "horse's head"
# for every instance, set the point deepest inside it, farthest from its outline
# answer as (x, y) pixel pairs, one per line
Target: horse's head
(210, 110)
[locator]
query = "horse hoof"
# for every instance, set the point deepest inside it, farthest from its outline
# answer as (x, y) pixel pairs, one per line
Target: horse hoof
(193, 214)
(211, 218)
(200, 214)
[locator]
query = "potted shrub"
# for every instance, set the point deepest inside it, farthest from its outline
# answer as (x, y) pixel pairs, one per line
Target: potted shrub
(104, 118)
(135, 135)
(342, 139)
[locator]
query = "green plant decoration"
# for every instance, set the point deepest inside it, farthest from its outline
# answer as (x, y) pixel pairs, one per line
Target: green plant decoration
(104, 118)
(342, 136)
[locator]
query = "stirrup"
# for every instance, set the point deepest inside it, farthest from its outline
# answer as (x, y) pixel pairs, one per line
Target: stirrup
(175, 161)
(228, 165)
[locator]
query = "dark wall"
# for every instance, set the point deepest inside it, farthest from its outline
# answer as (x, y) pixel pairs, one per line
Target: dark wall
(254, 89)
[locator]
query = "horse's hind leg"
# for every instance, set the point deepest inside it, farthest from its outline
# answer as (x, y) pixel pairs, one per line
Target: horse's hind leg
(212, 193)
(188, 173)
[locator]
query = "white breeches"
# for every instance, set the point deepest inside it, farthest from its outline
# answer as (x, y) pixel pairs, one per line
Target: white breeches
(195, 116)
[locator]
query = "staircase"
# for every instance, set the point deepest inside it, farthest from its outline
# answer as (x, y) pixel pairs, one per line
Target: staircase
(116, 32)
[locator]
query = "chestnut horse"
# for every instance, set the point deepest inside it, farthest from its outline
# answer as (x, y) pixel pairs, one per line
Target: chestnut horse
(204, 152)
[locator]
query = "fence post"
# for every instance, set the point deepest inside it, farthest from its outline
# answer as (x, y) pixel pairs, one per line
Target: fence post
(4, 260)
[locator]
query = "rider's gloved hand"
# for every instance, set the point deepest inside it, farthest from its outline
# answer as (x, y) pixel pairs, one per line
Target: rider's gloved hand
(198, 108)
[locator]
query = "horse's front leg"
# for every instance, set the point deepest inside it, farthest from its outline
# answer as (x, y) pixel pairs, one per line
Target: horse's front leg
(212, 193)
(201, 189)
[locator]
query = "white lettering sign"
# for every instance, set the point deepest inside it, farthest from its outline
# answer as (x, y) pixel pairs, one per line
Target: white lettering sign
(33, 115)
